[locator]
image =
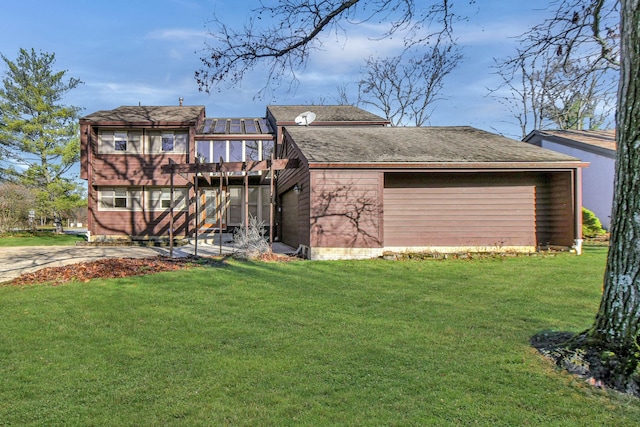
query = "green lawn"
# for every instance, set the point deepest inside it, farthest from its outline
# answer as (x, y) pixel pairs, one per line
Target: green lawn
(40, 238)
(306, 343)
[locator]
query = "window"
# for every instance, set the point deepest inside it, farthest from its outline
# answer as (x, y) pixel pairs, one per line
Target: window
(119, 142)
(234, 150)
(267, 149)
(252, 150)
(234, 214)
(221, 126)
(203, 154)
(259, 204)
(167, 142)
(235, 126)
(160, 198)
(219, 150)
(119, 198)
(171, 142)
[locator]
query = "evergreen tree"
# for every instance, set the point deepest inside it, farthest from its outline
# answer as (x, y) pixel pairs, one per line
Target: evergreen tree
(39, 138)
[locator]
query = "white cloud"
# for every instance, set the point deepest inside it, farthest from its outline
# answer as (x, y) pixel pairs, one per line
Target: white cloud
(177, 34)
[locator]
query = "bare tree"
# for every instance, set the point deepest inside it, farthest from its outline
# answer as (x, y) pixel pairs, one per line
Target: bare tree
(547, 92)
(577, 98)
(405, 87)
(281, 37)
(342, 97)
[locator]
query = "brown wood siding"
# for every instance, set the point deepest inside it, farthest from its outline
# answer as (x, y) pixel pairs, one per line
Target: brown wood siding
(133, 169)
(554, 198)
(290, 219)
(128, 169)
(140, 223)
(287, 179)
(85, 142)
(345, 209)
(459, 210)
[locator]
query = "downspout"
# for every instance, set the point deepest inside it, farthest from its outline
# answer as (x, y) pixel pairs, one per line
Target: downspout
(577, 191)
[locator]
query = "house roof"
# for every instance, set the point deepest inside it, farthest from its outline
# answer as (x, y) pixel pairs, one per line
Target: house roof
(136, 114)
(602, 139)
(235, 126)
(411, 145)
(286, 114)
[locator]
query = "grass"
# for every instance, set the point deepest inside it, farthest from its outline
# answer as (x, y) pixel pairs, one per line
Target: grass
(39, 238)
(306, 343)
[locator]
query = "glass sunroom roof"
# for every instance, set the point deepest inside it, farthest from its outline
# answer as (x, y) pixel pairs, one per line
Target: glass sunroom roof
(243, 126)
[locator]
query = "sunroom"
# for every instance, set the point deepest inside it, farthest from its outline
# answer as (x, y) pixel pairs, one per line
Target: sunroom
(227, 198)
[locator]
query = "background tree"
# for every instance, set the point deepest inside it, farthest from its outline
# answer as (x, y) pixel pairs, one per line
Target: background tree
(405, 87)
(547, 92)
(597, 33)
(282, 36)
(15, 203)
(39, 135)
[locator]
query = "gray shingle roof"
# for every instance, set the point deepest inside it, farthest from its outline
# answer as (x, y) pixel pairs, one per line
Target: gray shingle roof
(324, 113)
(598, 138)
(455, 144)
(146, 114)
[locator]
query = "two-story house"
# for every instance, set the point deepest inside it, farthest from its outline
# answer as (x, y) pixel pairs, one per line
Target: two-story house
(334, 181)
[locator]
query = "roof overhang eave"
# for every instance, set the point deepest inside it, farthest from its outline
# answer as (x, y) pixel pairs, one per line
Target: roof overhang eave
(450, 165)
(136, 123)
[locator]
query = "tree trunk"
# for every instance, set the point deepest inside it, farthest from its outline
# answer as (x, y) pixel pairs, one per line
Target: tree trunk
(612, 341)
(57, 223)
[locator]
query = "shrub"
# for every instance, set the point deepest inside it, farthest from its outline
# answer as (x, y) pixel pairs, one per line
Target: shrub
(250, 242)
(591, 225)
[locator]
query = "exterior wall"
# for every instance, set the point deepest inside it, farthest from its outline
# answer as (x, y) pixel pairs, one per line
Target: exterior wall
(346, 209)
(485, 211)
(287, 180)
(597, 179)
(133, 169)
(460, 210)
(139, 223)
(140, 170)
(363, 213)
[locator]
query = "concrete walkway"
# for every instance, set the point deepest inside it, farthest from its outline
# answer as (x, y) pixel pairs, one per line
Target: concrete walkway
(15, 261)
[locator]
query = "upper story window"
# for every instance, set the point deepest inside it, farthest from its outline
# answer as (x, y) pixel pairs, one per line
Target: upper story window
(120, 142)
(139, 142)
(169, 142)
(234, 150)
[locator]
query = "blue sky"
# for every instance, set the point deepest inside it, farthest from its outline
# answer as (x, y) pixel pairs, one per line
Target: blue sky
(141, 51)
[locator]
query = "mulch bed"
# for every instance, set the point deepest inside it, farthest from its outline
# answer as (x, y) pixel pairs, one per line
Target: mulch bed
(110, 268)
(107, 268)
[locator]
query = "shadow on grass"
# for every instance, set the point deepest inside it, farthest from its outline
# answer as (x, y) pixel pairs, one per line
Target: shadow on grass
(566, 350)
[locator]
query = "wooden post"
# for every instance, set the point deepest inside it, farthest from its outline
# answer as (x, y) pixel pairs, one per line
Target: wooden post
(246, 201)
(271, 200)
(221, 205)
(195, 242)
(171, 213)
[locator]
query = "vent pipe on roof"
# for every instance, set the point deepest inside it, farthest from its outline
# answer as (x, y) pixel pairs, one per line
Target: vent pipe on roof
(180, 100)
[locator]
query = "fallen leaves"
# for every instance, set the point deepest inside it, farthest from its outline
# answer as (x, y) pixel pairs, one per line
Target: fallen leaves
(107, 268)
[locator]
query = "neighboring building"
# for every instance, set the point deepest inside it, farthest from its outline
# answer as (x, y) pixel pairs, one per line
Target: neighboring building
(598, 148)
(347, 185)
